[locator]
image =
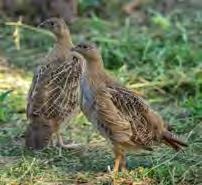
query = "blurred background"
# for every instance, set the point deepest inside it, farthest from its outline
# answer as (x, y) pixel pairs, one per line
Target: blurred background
(154, 47)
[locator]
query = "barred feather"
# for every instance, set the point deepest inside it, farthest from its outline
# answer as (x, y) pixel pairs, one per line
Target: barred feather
(119, 113)
(55, 89)
(54, 92)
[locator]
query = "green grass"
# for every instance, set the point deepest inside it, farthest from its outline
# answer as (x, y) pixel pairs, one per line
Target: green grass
(165, 65)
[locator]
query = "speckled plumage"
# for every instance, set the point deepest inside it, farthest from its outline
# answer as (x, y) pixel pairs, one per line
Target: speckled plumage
(55, 88)
(54, 93)
(119, 114)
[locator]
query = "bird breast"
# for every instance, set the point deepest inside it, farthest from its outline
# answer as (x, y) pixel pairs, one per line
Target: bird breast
(87, 99)
(89, 107)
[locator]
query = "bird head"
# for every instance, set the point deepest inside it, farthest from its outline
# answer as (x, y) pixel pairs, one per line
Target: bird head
(89, 51)
(38, 136)
(56, 26)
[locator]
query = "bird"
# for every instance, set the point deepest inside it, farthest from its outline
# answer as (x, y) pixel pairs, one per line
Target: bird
(53, 96)
(119, 114)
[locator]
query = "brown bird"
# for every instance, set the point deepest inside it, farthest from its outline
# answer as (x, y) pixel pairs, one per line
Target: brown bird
(118, 113)
(54, 93)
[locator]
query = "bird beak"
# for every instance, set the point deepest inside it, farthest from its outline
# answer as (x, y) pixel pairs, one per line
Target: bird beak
(42, 25)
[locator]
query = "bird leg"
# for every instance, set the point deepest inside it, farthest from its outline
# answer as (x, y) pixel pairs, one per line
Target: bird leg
(117, 163)
(66, 146)
(120, 162)
(55, 127)
(51, 142)
(123, 163)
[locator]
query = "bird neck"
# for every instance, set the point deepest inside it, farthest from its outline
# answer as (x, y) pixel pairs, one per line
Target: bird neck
(64, 41)
(96, 73)
(95, 66)
(62, 46)
(95, 69)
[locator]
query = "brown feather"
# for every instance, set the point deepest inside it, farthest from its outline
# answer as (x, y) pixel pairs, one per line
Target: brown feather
(125, 116)
(119, 114)
(173, 141)
(54, 93)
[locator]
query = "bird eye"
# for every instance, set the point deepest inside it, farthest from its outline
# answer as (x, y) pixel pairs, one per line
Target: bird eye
(52, 23)
(85, 47)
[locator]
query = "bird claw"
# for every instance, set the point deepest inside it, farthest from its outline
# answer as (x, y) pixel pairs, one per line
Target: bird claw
(70, 146)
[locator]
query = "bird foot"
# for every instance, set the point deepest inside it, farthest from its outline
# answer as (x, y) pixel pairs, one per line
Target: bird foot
(70, 146)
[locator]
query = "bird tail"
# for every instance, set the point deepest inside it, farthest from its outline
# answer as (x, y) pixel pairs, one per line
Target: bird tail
(171, 140)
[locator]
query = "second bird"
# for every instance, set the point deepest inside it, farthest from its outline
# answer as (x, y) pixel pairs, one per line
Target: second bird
(119, 114)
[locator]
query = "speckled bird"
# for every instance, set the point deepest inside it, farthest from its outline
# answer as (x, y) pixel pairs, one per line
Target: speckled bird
(118, 113)
(54, 93)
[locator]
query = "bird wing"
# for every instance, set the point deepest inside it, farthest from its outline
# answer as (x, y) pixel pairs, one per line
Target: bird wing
(54, 93)
(123, 110)
(110, 119)
(34, 90)
(127, 119)
(134, 109)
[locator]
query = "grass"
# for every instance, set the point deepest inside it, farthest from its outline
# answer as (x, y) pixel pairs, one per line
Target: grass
(163, 64)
